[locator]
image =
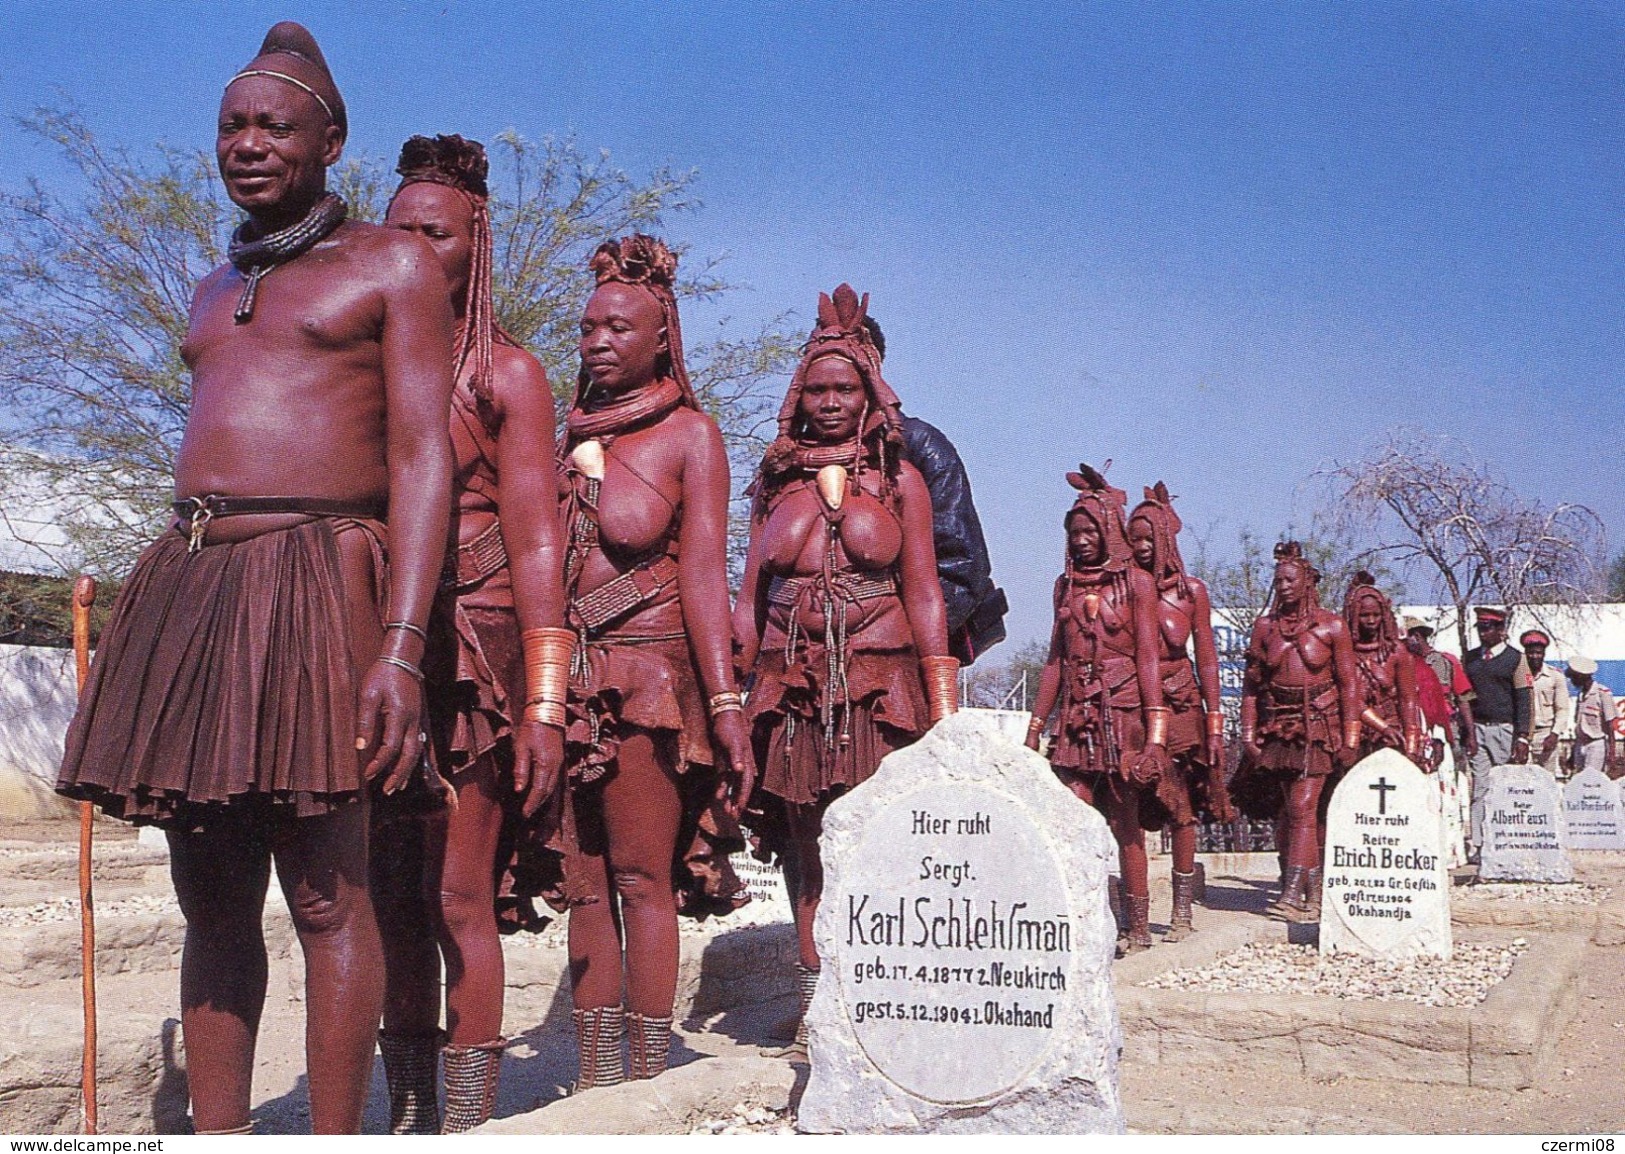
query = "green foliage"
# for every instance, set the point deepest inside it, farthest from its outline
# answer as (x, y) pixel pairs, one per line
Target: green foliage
(95, 288)
(38, 610)
(1616, 578)
(35, 610)
(93, 302)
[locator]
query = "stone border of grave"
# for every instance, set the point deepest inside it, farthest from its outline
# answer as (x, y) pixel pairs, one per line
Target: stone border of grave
(671, 1104)
(142, 1066)
(1498, 1044)
(1603, 923)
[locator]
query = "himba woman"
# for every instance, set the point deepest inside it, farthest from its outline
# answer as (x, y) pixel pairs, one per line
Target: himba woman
(657, 754)
(495, 668)
(1104, 673)
(840, 618)
(1195, 781)
(1390, 716)
(1300, 721)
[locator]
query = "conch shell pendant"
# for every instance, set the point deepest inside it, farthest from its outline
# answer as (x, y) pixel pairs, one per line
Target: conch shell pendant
(589, 458)
(1091, 605)
(831, 484)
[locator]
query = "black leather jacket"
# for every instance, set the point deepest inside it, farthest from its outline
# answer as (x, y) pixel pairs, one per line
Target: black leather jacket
(976, 606)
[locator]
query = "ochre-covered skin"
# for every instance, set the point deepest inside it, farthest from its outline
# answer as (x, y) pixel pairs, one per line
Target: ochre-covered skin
(1390, 715)
(1300, 698)
(336, 387)
(639, 744)
(841, 570)
(435, 881)
(1104, 675)
(1190, 689)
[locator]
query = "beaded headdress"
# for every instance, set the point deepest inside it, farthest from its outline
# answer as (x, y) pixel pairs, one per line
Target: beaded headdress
(842, 332)
(1103, 504)
(1158, 511)
(1363, 588)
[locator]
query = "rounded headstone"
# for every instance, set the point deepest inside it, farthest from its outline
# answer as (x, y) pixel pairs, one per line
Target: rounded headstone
(930, 973)
(1525, 835)
(966, 946)
(1591, 808)
(1386, 888)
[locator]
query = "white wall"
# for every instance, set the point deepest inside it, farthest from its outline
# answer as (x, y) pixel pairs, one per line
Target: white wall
(1596, 631)
(36, 703)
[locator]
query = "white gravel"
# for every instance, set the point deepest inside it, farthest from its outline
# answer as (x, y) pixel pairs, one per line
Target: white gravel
(748, 1119)
(751, 914)
(104, 847)
(1551, 893)
(67, 909)
(1279, 968)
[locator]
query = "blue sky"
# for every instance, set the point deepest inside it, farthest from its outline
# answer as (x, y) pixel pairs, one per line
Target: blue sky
(1221, 244)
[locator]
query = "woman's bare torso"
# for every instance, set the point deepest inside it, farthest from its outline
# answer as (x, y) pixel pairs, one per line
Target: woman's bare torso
(1176, 621)
(1305, 658)
(639, 499)
(1108, 631)
(1378, 677)
(866, 538)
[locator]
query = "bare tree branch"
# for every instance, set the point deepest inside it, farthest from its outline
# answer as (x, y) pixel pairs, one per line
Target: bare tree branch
(1452, 521)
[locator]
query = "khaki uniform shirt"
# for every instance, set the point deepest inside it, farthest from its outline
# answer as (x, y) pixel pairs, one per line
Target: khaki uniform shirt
(1550, 701)
(1596, 709)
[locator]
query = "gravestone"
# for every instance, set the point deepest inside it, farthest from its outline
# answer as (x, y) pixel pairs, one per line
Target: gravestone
(1386, 890)
(966, 946)
(764, 883)
(1525, 839)
(769, 896)
(1454, 799)
(1591, 805)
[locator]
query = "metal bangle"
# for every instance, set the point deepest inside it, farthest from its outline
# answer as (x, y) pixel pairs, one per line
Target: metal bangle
(1156, 724)
(545, 713)
(399, 664)
(409, 627)
(725, 703)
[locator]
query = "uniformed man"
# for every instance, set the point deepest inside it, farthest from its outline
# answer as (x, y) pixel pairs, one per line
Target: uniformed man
(1594, 717)
(1501, 707)
(1548, 700)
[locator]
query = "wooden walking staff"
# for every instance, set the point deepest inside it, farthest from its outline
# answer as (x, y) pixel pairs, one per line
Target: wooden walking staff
(84, 596)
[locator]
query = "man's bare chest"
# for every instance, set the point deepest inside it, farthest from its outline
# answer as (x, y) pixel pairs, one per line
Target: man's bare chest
(309, 306)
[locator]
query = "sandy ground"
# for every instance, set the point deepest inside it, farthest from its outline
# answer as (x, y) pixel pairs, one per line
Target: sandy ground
(1578, 1093)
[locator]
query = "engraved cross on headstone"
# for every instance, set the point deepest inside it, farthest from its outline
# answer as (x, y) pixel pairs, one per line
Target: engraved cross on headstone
(1383, 788)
